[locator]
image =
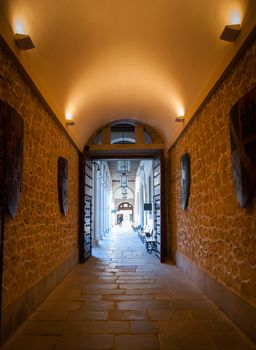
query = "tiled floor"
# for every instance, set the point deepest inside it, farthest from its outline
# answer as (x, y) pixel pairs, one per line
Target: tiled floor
(123, 298)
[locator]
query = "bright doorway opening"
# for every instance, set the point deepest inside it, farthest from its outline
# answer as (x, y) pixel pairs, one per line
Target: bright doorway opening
(122, 192)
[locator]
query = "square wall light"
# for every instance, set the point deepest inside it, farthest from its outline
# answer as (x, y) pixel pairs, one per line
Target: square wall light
(230, 32)
(23, 41)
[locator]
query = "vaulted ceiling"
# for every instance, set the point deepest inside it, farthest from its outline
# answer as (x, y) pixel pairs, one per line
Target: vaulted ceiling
(145, 60)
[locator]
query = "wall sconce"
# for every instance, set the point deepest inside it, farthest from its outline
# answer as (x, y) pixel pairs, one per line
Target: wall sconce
(180, 119)
(23, 41)
(70, 122)
(230, 32)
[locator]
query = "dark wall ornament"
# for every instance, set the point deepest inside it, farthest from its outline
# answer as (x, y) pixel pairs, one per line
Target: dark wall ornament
(243, 146)
(13, 130)
(63, 184)
(184, 179)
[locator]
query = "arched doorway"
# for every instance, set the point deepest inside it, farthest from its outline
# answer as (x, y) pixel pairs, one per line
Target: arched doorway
(125, 212)
(124, 140)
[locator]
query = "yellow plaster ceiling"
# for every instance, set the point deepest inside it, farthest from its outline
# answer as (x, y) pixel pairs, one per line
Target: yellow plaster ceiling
(103, 60)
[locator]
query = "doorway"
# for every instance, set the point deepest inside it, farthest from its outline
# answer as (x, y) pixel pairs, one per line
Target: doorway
(114, 154)
(123, 191)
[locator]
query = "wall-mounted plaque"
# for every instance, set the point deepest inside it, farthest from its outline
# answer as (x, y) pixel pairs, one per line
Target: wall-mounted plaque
(12, 131)
(243, 146)
(63, 183)
(184, 179)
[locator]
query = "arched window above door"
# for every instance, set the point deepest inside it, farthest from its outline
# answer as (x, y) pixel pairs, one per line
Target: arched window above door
(125, 206)
(125, 134)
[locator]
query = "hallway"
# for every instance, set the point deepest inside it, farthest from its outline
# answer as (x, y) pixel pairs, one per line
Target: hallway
(123, 298)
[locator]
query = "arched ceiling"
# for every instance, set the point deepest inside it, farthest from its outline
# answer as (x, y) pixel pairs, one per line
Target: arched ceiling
(125, 59)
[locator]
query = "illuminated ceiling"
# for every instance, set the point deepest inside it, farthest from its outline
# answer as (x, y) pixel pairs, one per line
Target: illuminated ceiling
(123, 59)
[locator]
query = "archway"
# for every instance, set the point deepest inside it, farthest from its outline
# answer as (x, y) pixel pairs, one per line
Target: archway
(122, 141)
(125, 212)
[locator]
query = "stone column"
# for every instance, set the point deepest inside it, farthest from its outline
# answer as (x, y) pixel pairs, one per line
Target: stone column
(97, 177)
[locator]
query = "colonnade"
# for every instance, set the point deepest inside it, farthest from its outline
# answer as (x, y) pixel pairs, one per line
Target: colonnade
(102, 201)
(144, 194)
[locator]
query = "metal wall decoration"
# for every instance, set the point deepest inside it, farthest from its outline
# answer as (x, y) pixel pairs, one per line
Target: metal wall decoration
(12, 125)
(63, 184)
(184, 179)
(243, 146)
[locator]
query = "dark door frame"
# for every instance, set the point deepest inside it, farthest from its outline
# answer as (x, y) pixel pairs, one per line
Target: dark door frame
(105, 155)
(82, 207)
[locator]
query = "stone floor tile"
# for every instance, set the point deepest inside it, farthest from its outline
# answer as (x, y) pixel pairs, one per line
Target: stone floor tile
(143, 305)
(193, 304)
(138, 342)
(50, 315)
(128, 297)
(143, 327)
(103, 291)
(207, 315)
(223, 327)
(83, 315)
(107, 327)
(99, 305)
(127, 315)
(106, 279)
(232, 341)
(25, 342)
(64, 305)
(130, 277)
(101, 286)
(45, 328)
(165, 315)
(123, 298)
(92, 297)
(185, 342)
(137, 286)
(142, 291)
(88, 342)
(137, 281)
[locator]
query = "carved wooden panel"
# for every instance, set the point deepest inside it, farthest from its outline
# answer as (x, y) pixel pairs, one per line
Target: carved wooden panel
(63, 184)
(12, 126)
(243, 146)
(157, 203)
(184, 179)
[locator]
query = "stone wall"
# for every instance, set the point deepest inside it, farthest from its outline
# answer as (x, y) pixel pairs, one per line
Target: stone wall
(39, 239)
(214, 232)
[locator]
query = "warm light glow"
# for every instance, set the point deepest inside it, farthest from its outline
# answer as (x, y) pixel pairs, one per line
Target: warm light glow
(235, 17)
(19, 26)
(180, 111)
(69, 115)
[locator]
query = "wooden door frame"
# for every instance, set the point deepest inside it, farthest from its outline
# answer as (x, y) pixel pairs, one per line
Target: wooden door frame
(81, 193)
(124, 155)
(82, 184)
